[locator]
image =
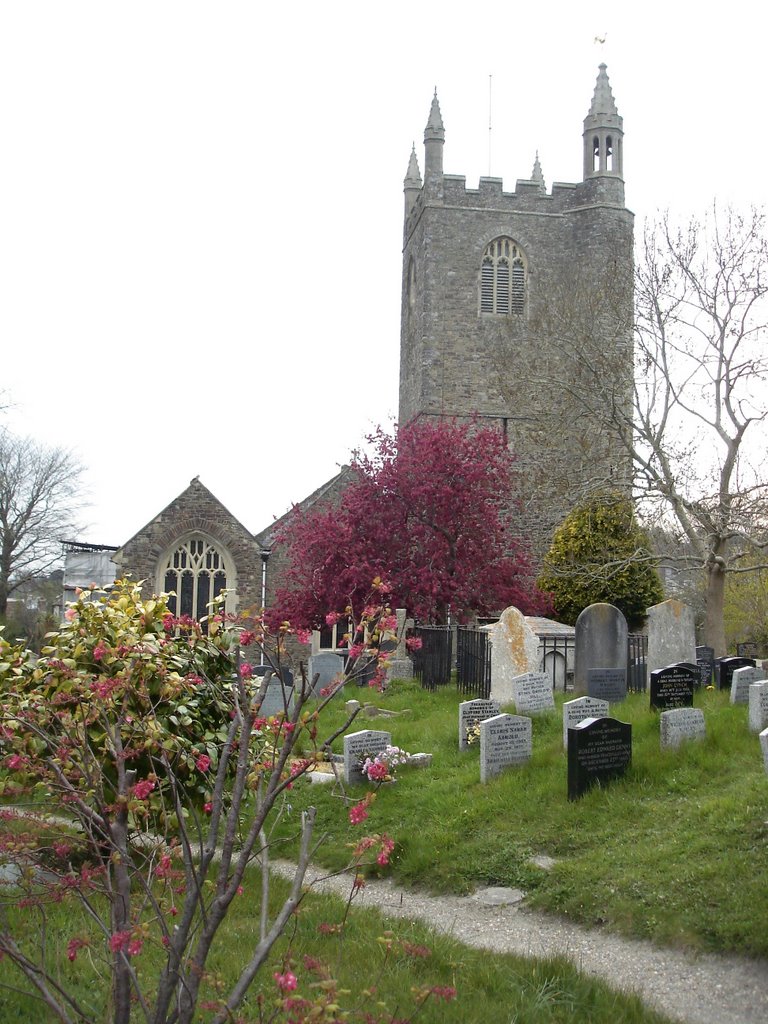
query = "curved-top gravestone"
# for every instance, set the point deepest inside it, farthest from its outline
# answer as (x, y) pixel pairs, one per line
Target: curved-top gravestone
(601, 651)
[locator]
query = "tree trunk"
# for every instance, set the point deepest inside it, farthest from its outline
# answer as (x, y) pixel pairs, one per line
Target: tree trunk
(714, 620)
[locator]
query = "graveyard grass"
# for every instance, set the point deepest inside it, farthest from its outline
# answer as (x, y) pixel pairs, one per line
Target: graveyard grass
(377, 980)
(675, 852)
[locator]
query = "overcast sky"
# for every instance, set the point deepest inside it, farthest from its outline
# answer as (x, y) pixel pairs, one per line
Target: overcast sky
(201, 207)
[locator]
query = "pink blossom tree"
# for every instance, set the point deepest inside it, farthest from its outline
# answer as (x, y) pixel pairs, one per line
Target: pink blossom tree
(430, 510)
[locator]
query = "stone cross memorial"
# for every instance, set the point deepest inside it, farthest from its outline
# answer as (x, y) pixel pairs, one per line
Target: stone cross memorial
(599, 749)
(471, 713)
(601, 643)
(575, 711)
(741, 680)
(504, 740)
(358, 746)
(681, 724)
(758, 707)
(674, 686)
(532, 692)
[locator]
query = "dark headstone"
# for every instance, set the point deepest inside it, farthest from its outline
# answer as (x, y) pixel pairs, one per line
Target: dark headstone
(599, 749)
(724, 669)
(749, 649)
(674, 686)
(705, 659)
(607, 684)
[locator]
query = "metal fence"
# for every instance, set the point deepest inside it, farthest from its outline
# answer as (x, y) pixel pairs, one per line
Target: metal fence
(433, 661)
(473, 662)
(432, 664)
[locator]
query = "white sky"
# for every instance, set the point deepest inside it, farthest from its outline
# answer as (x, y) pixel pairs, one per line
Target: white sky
(201, 207)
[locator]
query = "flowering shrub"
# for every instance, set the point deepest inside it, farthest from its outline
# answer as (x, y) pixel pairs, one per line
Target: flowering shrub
(381, 767)
(142, 734)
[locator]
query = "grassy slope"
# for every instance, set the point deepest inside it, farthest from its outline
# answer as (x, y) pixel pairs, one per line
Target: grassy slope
(677, 851)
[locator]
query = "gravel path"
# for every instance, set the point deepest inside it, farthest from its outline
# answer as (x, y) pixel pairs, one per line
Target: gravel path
(703, 989)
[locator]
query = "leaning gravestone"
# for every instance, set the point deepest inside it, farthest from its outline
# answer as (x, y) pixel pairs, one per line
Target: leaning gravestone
(504, 740)
(328, 667)
(758, 707)
(671, 635)
(532, 692)
(607, 684)
(681, 724)
(358, 746)
(575, 711)
(599, 749)
(601, 643)
(764, 745)
(471, 713)
(741, 680)
(514, 651)
(725, 667)
(705, 659)
(674, 686)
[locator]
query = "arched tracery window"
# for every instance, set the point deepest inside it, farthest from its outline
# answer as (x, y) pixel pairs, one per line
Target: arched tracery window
(197, 572)
(502, 278)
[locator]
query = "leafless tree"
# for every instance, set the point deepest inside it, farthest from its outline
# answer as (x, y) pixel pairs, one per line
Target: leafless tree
(692, 416)
(39, 505)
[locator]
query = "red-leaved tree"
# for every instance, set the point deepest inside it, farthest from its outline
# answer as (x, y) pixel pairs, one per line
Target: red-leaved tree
(430, 511)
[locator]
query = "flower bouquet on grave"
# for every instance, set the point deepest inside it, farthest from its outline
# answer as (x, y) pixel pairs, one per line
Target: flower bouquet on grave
(381, 767)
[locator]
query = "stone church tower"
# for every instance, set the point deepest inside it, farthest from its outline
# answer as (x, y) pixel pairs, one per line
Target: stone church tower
(517, 310)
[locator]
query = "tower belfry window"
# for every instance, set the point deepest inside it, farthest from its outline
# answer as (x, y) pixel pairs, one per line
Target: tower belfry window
(502, 278)
(197, 573)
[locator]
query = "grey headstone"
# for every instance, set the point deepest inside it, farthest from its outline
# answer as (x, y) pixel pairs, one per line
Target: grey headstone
(601, 643)
(278, 699)
(671, 635)
(741, 680)
(575, 711)
(607, 684)
(680, 724)
(504, 740)
(532, 692)
(758, 706)
(472, 712)
(358, 746)
(764, 746)
(328, 666)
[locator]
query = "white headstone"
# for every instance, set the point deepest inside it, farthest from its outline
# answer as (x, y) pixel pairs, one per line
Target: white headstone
(504, 740)
(575, 711)
(358, 746)
(741, 680)
(680, 724)
(471, 713)
(533, 693)
(514, 651)
(671, 635)
(764, 745)
(758, 706)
